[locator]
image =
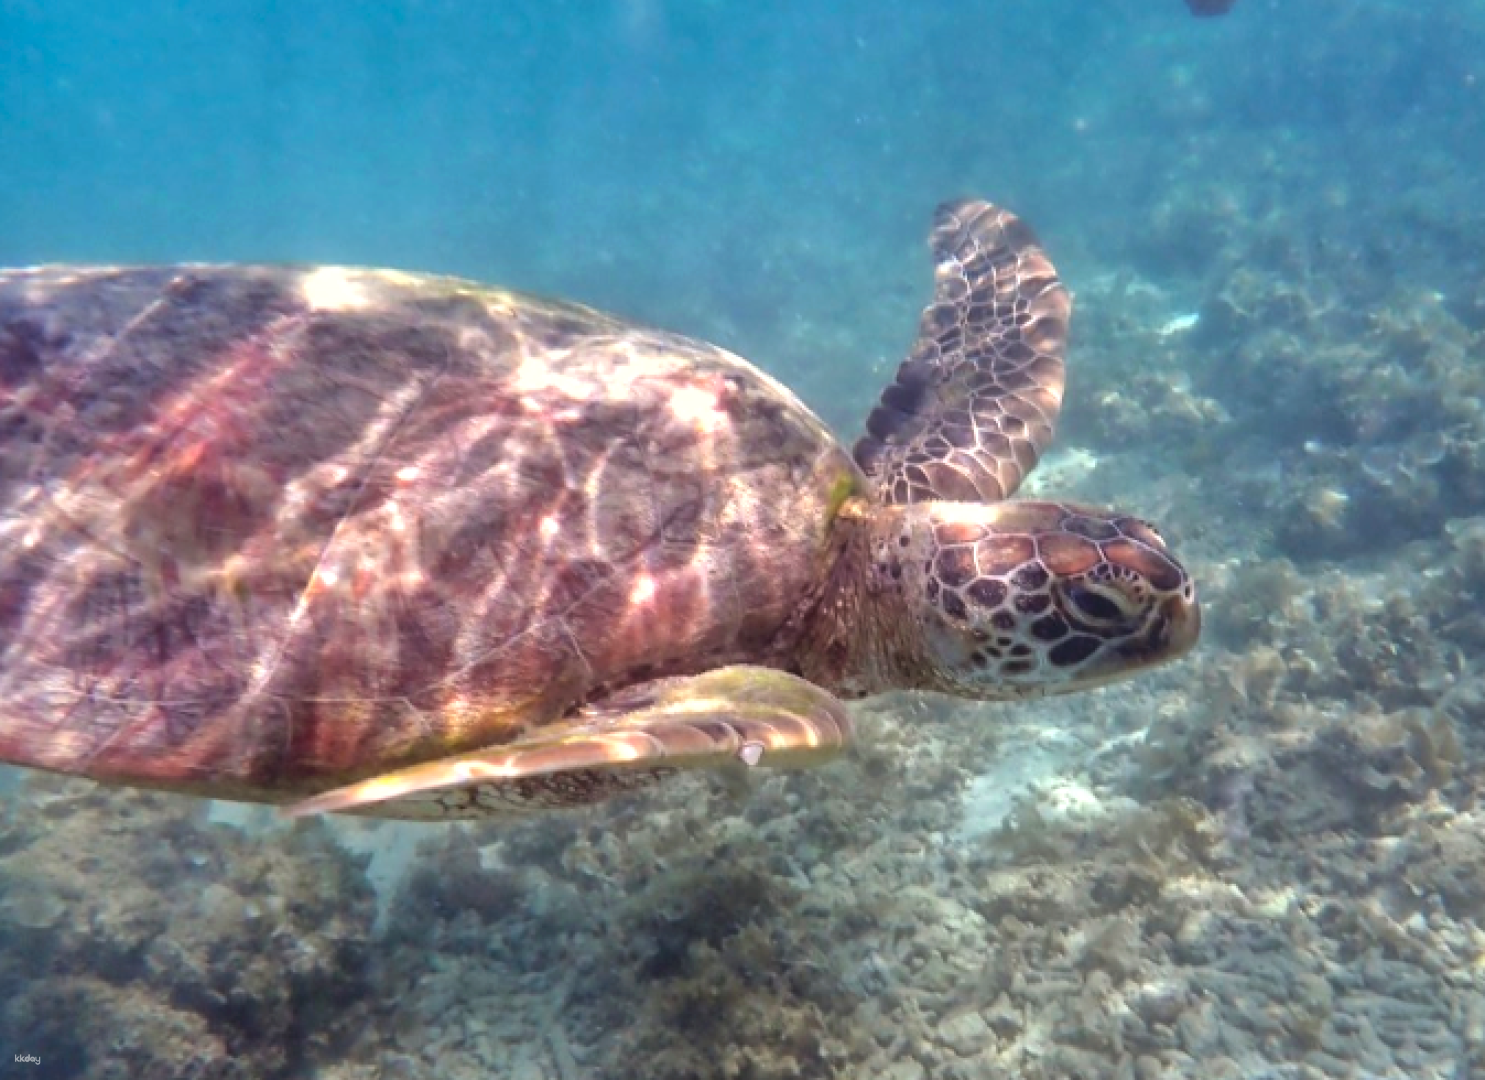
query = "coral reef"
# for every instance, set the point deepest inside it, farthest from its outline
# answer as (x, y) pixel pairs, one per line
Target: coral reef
(138, 940)
(1376, 421)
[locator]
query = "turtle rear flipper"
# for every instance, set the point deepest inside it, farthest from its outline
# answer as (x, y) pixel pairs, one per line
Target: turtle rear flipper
(729, 719)
(974, 403)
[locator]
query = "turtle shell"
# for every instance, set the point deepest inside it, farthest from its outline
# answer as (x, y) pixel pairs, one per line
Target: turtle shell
(267, 530)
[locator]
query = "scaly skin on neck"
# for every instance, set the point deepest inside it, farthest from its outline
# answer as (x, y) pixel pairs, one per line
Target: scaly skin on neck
(859, 638)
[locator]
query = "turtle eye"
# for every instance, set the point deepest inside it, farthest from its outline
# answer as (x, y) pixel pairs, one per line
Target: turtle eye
(1095, 605)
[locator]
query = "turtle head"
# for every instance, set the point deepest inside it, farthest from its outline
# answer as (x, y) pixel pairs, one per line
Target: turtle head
(1026, 599)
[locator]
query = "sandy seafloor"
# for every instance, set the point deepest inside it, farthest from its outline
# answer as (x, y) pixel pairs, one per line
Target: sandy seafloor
(1266, 861)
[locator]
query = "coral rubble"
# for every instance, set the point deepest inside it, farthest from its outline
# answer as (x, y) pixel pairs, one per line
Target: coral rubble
(138, 940)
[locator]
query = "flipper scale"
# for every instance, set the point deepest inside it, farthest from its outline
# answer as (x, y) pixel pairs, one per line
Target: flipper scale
(974, 404)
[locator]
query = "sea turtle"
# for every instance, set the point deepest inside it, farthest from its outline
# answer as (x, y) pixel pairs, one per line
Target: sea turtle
(362, 540)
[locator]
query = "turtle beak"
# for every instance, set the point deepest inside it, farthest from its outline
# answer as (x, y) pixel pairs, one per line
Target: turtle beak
(1183, 617)
(1174, 630)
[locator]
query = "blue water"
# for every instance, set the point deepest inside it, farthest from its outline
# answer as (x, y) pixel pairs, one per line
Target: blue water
(726, 169)
(1274, 225)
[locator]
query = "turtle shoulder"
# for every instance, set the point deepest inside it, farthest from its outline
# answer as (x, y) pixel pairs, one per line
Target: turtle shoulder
(264, 530)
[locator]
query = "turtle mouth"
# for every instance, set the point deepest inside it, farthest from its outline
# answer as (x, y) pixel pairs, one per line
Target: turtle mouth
(1173, 632)
(1183, 617)
(1170, 633)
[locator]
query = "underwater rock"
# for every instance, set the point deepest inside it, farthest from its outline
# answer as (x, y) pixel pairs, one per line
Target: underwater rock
(965, 1033)
(1112, 947)
(1467, 539)
(167, 946)
(29, 905)
(1190, 226)
(1468, 305)
(1154, 399)
(449, 877)
(86, 1027)
(1317, 520)
(1388, 759)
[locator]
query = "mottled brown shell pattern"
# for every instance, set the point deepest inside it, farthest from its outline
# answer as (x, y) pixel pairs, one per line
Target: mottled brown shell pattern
(265, 529)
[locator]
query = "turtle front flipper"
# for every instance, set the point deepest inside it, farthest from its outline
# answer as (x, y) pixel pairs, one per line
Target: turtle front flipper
(731, 718)
(974, 404)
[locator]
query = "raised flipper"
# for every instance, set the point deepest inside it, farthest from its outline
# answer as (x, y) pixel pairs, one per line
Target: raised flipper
(974, 403)
(734, 718)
